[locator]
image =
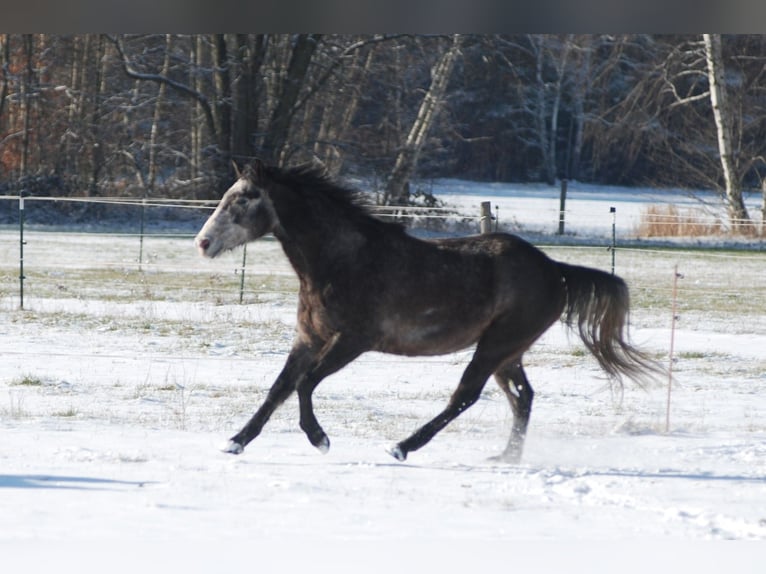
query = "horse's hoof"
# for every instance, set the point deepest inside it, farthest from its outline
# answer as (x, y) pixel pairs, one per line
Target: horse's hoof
(232, 447)
(506, 458)
(323, 445)
(397, 452)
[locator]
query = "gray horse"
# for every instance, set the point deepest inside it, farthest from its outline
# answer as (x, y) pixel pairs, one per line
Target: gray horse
(366, 285)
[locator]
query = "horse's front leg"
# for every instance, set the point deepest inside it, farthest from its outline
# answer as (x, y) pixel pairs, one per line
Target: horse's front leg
(298, 362)
(334, 355)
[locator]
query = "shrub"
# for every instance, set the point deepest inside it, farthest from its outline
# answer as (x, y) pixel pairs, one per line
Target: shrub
(670, 221)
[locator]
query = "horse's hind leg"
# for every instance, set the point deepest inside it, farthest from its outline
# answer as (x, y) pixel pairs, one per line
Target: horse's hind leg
(512, 379)
(467, 393)
(501, 345)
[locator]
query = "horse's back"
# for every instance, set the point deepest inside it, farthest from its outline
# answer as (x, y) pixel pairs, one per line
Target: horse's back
(510, 258)
(441, 295)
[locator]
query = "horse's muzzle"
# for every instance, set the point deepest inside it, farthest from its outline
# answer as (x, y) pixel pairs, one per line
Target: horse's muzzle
(203, 244)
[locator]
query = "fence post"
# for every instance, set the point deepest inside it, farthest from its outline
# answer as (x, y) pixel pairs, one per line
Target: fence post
(486, 217)
(141, 235)
(676, 277)
(242, 276)
(613, 211)
(562, 205)
(21, 249)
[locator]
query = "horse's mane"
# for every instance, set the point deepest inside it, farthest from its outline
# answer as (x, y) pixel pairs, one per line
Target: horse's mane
(318, 189)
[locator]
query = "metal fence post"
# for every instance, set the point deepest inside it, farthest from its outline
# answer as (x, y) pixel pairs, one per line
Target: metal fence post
(242, 277)
(613, 211)
(676, 277)
(141, 238)
(21, 249)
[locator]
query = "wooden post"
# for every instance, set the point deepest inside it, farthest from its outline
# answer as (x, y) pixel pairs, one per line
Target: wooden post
(676, 277)
(562, 205)
(486, 217)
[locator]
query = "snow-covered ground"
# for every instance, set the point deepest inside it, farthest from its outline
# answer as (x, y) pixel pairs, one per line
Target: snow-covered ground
(116, 390)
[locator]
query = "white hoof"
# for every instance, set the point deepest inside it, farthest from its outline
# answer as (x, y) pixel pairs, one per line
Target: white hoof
(397, 453)
(232, 447)
(324, 445)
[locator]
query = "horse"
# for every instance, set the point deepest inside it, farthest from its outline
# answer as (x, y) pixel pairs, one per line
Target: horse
(369, 285)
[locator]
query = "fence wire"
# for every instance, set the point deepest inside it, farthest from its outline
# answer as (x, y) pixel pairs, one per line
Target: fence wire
(77, 262)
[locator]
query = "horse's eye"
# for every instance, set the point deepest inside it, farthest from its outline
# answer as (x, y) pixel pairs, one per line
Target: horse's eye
(241, 201)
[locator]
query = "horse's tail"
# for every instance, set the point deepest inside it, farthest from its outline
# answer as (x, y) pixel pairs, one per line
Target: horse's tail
(598, 306)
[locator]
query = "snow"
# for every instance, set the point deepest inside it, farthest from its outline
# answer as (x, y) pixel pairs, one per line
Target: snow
(113, 412)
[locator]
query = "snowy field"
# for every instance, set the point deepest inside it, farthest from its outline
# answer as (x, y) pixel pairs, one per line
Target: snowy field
(118, 386)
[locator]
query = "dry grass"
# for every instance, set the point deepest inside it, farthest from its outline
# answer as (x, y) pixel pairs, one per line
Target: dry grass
(670, 221)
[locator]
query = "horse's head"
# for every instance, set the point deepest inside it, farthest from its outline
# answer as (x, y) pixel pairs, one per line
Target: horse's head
(245, 213)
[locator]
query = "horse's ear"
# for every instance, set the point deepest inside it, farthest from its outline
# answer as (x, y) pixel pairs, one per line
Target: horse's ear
(236, 169)
(255, 170)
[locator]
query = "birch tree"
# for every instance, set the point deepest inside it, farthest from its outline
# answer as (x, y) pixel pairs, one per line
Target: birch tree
(547, 120)
(738, 215)
(407, 158)
(156, 119)
(338, 113)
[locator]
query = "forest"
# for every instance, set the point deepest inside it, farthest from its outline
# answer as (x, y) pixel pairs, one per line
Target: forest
(173, 115)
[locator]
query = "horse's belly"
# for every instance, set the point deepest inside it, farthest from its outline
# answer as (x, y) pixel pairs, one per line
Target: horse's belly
(408, 337)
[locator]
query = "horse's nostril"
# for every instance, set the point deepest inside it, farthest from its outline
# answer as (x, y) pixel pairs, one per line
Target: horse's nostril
(204, 243)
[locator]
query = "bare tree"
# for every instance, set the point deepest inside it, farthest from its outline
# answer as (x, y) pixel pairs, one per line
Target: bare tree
(26, 100)
(5, 57)
(156, 119)
(407, 158)
(286, 105)
(247, 62)
(738, 215)
(626, 109)
(198, 96)
(580, 91)
(337, 113)
(548, 105)
(223, 101)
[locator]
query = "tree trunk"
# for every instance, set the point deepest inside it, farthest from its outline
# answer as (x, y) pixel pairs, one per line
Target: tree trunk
(222, 108)
(738, 216)
(94, 123)
(540, 115)
(248, 60)
(338, 114)
(26, 100)
(397, 192)
(195, 125)
(156, 118)
(580, 93)
(5, 57)
(763, 207)
(281, 118)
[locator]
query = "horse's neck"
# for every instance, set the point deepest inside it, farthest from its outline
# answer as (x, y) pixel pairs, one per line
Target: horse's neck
(314, 246)
(296, 250)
